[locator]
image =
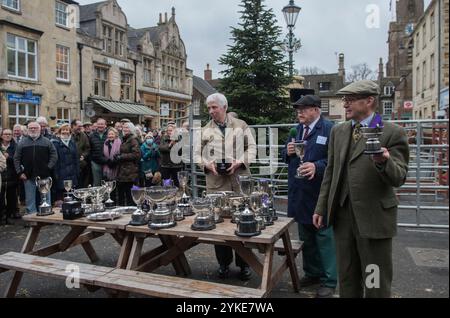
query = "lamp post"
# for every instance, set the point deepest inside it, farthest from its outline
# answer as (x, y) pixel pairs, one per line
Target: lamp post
(291, 12)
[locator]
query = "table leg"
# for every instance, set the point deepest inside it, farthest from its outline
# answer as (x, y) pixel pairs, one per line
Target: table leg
(290, 258)
(266, 282)
(136, 251)
(179, 263)
(125, 251)
(89, 249)
(28, 246)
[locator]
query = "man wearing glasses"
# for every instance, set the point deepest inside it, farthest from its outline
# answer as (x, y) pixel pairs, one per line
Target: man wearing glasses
(319, 255)
(357, 195)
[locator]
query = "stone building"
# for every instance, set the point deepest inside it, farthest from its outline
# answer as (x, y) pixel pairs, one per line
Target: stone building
(39, 69)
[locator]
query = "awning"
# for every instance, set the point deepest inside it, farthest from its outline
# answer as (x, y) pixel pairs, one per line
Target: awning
(125, 108)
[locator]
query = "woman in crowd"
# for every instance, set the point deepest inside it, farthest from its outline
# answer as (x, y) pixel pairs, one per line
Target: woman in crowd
(67, 167)
(9, 179)
(111, 148)
(149, 162)
(170, 169)
(128, 161)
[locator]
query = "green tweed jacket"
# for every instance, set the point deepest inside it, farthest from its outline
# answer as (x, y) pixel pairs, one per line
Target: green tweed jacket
(371, 186)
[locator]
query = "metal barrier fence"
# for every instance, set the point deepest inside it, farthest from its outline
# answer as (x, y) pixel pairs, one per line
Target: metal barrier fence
(427, 184)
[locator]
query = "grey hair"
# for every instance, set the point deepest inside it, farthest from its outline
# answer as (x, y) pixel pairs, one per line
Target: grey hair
(132, 128)
(42, 120)
(219, 99)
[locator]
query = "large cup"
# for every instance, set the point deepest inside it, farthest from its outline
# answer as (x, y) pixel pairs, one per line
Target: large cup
(44, 186)
(162, 217)
(204, 220)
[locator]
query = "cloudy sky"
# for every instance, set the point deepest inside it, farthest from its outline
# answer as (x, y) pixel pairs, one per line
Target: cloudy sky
(326, 27)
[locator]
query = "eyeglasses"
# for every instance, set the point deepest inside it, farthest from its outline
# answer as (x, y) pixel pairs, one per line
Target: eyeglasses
(303, 109)
(352, 98)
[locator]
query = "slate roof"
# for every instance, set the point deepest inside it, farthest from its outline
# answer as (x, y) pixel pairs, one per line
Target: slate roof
(87, 12)
(203, 87)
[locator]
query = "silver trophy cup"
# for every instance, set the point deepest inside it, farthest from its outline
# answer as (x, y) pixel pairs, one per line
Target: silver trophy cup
(44, 186)
(372, 137)
(110, 187)
(300, 152)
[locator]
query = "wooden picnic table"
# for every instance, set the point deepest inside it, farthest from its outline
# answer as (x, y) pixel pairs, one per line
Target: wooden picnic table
(181, 238)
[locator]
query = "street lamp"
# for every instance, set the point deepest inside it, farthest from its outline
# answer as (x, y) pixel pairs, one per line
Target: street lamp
(291, 12)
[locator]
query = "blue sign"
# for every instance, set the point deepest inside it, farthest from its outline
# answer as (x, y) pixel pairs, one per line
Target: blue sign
(26, 99)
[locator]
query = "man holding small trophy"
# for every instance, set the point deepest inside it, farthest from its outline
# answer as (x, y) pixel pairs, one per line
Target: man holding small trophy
(307, 156)
(357, 195)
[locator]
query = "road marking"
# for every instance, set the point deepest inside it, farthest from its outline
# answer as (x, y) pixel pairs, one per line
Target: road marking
(425, 231)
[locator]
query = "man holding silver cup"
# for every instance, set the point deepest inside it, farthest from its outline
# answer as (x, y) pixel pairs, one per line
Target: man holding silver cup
(305, 178)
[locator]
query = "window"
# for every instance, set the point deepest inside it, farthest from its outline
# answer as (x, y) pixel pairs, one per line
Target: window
(20, 113)
(432, 26)
(108, 39)
(119, 44)
(432, 71)
(22, 55)
(324, 86)
(101, 82)
(125, 86)
(424, 75)
(61, 13)
(424, 35)
(63, 115)
(417, 43)
(62, 63)
(11, 4)
(417, 80)
(388, 107)
(325, 106)
(147, 71)
(389, 90)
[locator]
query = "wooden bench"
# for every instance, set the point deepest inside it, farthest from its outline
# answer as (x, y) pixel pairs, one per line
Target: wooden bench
(297, 247)
(149, 284)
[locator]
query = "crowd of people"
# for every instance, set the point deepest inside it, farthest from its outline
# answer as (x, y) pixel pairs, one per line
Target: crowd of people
(84, 153)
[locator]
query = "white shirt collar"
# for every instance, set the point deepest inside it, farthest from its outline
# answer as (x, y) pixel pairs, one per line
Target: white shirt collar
(312, 125)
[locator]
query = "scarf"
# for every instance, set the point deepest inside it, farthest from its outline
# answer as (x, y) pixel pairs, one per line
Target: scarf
(110, 149)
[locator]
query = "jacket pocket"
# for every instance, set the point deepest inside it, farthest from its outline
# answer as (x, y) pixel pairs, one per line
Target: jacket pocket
(388, 203)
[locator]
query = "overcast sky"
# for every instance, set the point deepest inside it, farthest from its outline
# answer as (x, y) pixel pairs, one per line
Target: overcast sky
(326, 27)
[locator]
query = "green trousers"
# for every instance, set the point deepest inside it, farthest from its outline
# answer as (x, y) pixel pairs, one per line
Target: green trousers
(319, 254)
(364, 265)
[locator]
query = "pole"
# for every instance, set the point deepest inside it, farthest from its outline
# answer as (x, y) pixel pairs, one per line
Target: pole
(291, 53)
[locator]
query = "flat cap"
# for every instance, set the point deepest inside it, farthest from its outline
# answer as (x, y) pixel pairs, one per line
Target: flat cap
(125, 120)
(364, 87)
(308, 101)
(87, 124)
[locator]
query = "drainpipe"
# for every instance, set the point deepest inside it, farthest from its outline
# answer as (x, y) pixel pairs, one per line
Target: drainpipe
(439, 54)
(80, 53)
(135, 80)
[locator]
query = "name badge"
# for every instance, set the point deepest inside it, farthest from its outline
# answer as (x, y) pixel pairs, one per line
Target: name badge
(322, 140)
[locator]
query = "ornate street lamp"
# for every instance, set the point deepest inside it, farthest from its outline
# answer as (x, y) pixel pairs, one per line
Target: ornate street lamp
(291, 12)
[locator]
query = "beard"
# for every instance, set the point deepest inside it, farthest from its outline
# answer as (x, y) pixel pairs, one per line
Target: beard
(34, 135)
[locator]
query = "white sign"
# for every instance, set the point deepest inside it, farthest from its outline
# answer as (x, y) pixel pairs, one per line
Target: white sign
(165, 110)
(112, 61)
(408, 105)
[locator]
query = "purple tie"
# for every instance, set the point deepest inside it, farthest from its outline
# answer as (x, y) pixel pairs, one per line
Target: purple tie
(306, 135)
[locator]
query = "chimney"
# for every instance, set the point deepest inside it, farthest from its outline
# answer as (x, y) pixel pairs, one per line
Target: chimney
(342, 65)
(160, 19)
(208, 73)
(173, 13)
(380, 70)
(165, 17)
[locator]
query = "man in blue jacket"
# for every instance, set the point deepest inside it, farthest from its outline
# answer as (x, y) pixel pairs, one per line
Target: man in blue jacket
(319, 256)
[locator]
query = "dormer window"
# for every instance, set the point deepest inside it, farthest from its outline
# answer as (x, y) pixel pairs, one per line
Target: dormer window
(61, 14)
(11, 4)
(389, 90)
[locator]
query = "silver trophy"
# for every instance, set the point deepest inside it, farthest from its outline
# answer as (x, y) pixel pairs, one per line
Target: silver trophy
(44, 186)
(247, 225)
(83, 195)
(218, 202)
(110, 187)
(184, 202)
(372, 136)
(300, 152)
(139, 217)
(204, 220)
(67, 186)
(98, 195)
(162, 217)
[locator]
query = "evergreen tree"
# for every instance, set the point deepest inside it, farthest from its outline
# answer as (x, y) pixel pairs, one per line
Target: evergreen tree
(256, 71)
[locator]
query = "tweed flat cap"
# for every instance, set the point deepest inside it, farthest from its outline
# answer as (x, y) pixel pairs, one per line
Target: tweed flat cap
(308, 101)
(365, 87)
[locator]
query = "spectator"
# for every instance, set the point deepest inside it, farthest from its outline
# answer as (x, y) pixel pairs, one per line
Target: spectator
(87, 126)
(98, 160)
(68, 165)
(156, 137)
(170, 169)
(128, 160)
(149, 162)
(84, 151)
(111, 148)
(8, 197)
(42, 121)
(35, 157)
(118, 126)
(17, 133)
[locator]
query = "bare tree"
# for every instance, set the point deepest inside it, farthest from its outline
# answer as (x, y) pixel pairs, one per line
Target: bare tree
(310, 70)
(360, 72)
